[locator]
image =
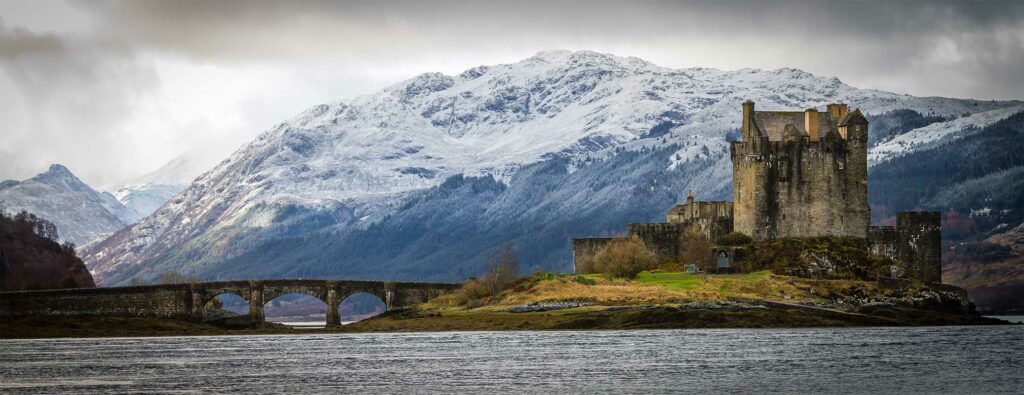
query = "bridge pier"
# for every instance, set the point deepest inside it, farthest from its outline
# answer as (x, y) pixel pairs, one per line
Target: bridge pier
(195, 310)
(389, 295)
(333, 315)
(257, 318)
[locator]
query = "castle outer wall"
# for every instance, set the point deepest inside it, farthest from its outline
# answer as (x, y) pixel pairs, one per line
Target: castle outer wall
(916, 241)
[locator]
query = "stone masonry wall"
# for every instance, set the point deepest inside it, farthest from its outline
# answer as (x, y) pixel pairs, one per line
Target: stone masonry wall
(883, 241)
(920, 244)
(916, 241)
(662, 238)
(159, 301)
(799, 188)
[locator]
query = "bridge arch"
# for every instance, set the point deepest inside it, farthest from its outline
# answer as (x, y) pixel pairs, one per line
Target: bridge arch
(304, 307)
(209, 296)
(230, 302)
(359, 305)
(271, 292)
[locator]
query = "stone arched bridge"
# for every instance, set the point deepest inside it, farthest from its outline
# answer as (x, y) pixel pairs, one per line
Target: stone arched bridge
(187, 300)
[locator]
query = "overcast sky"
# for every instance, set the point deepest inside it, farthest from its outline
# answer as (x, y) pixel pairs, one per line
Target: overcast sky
(114, 90)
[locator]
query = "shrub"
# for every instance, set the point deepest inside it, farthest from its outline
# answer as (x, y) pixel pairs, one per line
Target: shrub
(622, 258)
(583, 280)
(585, 265)
(734, 239)
(474, 289)
(502, 273)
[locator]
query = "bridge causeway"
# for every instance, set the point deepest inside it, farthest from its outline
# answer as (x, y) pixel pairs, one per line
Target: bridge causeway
(187, 300)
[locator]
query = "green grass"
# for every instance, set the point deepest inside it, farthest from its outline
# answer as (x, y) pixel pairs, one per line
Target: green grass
(671, 280)
(682, 280)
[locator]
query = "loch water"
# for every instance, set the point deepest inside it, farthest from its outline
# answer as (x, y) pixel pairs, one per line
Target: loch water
(812, 360)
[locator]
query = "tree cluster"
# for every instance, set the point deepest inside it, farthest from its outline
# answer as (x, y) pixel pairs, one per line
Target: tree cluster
(25, 224)
(620, 258)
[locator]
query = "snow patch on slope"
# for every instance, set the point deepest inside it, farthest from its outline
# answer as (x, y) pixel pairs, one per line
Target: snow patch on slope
(938, 133)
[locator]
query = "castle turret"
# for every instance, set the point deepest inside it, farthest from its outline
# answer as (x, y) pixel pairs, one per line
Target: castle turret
(854, 127)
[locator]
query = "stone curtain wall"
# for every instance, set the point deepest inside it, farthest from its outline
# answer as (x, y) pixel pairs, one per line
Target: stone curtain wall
(920, 244)
(916, 241)
(664, 239)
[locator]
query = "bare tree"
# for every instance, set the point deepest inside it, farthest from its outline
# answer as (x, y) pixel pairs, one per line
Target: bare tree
(696, 249)
(502, 270)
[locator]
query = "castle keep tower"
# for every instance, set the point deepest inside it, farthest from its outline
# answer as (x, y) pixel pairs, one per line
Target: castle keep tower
(801, 174)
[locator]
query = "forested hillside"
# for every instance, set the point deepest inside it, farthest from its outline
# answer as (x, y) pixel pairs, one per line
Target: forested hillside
(31, 256)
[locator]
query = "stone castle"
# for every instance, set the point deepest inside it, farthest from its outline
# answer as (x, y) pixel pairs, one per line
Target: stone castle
(796, 174)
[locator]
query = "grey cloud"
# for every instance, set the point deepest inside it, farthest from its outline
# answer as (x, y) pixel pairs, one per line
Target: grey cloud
(852, 39)
(71, 91)
(72, 95)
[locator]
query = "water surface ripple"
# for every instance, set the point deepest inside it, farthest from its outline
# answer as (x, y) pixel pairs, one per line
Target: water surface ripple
(851, 360)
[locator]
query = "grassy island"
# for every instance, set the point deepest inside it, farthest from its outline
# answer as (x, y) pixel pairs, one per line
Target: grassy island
(681, 300)
(547, 301)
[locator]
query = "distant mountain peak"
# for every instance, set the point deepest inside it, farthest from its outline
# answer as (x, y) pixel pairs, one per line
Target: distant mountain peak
(58, 168)
(58, 175)
(80, 212)
(58, 171)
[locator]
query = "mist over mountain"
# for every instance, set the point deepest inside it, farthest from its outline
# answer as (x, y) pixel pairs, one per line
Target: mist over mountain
(424, 179)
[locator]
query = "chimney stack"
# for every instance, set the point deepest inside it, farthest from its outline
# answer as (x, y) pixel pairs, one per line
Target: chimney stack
(748, 120)
(811, 124)
(838, 111)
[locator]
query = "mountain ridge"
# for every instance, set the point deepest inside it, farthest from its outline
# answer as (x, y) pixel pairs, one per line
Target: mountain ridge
(355, 163)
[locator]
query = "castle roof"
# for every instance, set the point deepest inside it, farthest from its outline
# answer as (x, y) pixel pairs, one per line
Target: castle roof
(854, 115)
(774, 124)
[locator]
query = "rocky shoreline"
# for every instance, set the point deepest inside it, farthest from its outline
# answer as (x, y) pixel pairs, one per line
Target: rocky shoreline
(749, 314)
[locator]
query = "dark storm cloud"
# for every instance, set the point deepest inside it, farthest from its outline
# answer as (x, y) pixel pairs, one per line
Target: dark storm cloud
(920, 43)
(75, 78)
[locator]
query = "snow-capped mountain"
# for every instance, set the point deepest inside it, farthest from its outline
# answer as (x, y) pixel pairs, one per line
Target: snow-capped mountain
(148, 192)
(339, 172)
(144, 199)
(81, 213)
